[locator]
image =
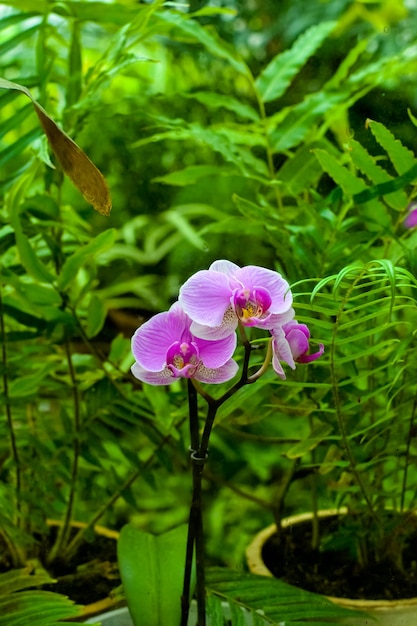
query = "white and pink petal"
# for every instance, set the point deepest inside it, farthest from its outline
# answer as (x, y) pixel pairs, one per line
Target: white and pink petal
(214, 354)
(219, 375)
(163, 377)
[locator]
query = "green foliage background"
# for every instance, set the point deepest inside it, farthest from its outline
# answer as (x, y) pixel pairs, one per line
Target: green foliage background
(279, 134)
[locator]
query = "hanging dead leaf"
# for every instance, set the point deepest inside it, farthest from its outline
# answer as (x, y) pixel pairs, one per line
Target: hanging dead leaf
(77, 166)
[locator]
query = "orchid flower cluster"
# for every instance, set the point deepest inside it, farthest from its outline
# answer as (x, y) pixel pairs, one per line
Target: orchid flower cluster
(196, 338)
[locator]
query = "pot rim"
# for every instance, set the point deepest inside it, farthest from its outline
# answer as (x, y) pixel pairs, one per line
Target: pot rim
(257, 566)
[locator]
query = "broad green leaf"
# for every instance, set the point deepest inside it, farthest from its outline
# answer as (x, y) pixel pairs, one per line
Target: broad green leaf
(369, 167)
(36, 294)
(101, 243)
(185, 228)
(18, 579)
(151, 568)
(299, 120)
(28, 256)
(207, 37)
(74, 85)
(18, 146)
(75, 163)
(402, 158)
(97, 12)
(19, 607)
(347, 63)
(216, 101)
(277, 76)
(16, 40)
(351, 184)
(14, 120)
(383, 189)
(96, 316)
(250, 209)
(386, 68)
(301, 170)
(29, 385)
(22, 317)
(220, 140)
(15, 18)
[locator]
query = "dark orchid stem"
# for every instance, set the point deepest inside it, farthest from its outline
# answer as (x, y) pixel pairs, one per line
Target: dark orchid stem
(199, 454)
(195, 524)
(195, 442)
(198, 466)
(193, 415)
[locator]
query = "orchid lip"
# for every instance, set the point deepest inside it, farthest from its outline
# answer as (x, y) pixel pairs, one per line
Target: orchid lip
(251, 304)
(182, 356)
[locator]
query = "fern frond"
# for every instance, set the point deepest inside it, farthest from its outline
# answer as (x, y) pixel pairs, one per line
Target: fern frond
(270, 601)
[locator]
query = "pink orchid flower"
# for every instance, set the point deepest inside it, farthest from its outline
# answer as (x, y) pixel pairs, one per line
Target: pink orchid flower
(165, 350)
(411, 218)
(218, 298)
(290, 343)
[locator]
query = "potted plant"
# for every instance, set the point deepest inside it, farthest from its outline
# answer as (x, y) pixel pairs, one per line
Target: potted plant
(359, 453)
(196, 340)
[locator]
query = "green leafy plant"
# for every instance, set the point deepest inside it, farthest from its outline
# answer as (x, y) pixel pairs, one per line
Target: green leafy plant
(211, 140)
(147, 565)
(19, 601)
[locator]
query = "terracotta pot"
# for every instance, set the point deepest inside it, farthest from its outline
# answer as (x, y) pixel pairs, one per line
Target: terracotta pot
(385, 612)
(101, 604)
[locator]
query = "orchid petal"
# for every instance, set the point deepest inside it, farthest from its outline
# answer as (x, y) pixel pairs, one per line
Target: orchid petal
(151, 341)
(214, 354)
(225, 267)
(164, 377)
(298, 342)
(253, 277)
(205, 297)
(278, 367)
(226, 328)
(218, 375)
(281, 348)
(308, 358)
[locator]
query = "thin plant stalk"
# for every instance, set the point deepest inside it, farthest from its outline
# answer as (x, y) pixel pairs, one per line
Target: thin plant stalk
(65, 528)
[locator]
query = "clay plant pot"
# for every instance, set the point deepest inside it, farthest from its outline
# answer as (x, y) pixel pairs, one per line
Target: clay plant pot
(381, 612)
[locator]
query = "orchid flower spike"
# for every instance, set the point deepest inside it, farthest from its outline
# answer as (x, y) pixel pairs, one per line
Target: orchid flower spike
(218, 298)
(165, 349)
(290, 343)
